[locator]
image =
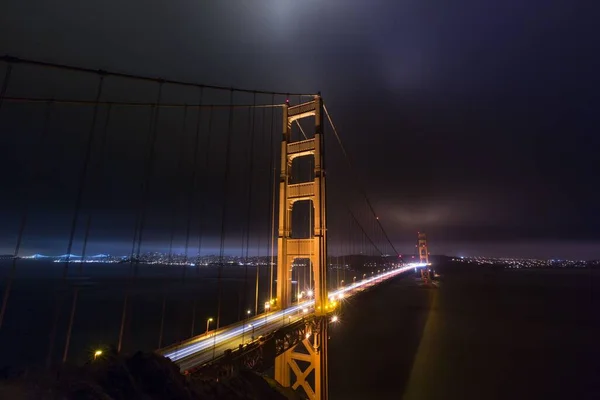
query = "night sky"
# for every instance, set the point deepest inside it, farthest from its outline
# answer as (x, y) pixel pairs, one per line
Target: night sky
(474, 121)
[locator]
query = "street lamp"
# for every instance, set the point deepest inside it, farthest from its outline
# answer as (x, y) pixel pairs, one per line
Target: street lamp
(244, 325)
(208, 321)
(364, 276)
(354, 280)
(97, 354)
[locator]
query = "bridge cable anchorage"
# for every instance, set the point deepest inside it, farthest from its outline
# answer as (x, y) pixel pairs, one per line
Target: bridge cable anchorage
(223, 218)
(361, 188)
(16, 60)
(35, 160)
(74, 220)
(251, 120)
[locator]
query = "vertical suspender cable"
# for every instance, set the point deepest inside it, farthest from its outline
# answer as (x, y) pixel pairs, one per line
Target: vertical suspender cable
(82, 178)
(201, 208)
(85, 242)
(272, 183)
(361, 189)
(249, 207)
(223, 217)
(173, 223)
(80, 190)
(162, 321)
(5, 82)
(24, 213)
(262, 129)
(148, 172)
(178, 169)
(194, 182)
(206, 168)
(140, 215)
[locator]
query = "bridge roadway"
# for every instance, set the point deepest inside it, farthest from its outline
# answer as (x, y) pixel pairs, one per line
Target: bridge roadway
(203, 348)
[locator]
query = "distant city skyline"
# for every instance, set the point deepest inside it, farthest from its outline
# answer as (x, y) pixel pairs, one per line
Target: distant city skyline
(569, 251)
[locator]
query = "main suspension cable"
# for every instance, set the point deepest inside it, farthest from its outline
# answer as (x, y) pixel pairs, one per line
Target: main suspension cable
(15, 60)
(360, 187)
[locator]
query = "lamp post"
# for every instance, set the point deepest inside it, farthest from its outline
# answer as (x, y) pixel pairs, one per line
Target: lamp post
(208, 321)
(244, 325)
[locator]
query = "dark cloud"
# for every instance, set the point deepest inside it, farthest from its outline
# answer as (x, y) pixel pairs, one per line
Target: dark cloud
(473, 120)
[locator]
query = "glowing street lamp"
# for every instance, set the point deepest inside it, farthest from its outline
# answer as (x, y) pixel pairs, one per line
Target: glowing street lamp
(208, 321)
(97, 354)
(244, 324)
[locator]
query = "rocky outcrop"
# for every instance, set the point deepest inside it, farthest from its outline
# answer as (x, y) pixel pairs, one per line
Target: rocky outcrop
(145, 376)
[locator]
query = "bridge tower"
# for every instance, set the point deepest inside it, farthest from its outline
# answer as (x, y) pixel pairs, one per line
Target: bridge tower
(313, 349)
(424, 257)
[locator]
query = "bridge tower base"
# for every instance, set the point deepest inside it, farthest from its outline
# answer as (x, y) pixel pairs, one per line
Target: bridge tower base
(304, 366)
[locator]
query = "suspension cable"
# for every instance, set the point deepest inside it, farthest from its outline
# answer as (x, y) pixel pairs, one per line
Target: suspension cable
(196, 149)
(223, 218)
(85, 243)
(5, 82)
(14, 60)
(272, 184)
(249, 207)
(148, 174)
(138, 226)
(36, 162)
(74, 220)
(83, 102)
(206, 167)
(178, 170)
(262, 129)
(360, 187)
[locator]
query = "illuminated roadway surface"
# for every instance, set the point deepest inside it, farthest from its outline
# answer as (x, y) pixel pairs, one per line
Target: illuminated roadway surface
(201, 349)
